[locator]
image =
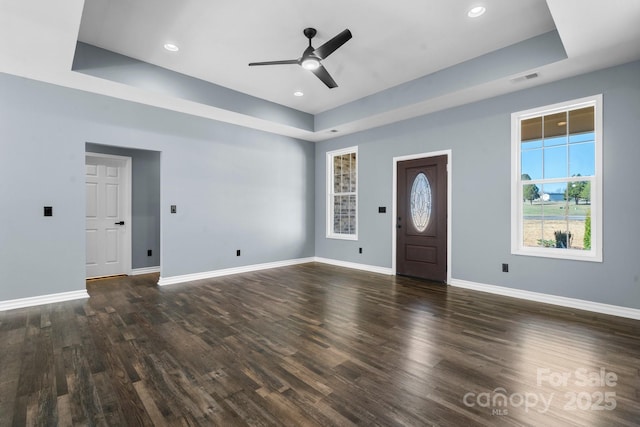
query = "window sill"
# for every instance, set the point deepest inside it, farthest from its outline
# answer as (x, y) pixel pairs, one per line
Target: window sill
(561, 254)
(342, 237)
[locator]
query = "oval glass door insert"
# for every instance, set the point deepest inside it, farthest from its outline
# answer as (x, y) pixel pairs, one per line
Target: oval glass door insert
(420, 199)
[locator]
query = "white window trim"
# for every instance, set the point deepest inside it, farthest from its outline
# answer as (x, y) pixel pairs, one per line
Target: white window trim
(517, 248)
(329, 169)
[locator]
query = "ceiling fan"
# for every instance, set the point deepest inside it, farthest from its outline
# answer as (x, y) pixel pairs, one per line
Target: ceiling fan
(310, 59)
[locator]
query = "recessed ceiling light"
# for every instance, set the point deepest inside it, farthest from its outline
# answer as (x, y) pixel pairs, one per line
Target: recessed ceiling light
(298, 93)
(476, 11)
(171, 47)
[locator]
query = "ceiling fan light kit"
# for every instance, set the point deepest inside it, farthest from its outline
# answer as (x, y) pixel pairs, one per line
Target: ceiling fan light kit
(310, 63)
(311, 58)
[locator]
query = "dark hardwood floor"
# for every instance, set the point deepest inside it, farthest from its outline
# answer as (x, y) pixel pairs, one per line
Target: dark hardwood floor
(313, 345)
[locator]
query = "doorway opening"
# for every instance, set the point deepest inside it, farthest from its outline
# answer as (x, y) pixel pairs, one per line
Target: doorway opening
(143, 221)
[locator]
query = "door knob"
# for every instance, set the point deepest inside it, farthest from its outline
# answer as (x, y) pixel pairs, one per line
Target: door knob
(119, 223)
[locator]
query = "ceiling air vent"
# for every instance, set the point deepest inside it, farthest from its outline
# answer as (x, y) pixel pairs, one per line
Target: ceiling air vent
(523, 78)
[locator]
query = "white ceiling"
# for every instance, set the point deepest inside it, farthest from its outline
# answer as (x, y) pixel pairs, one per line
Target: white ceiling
(393, 42)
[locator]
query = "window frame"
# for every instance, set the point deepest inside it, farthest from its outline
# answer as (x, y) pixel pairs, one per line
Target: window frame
(517, 244)
(330, 234)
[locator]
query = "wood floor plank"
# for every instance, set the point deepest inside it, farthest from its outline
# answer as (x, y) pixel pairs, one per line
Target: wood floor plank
(249, 411)
(312, 345)
(10, 368)
(156, 416)
(63, 406)
(84, 404)
(42, 402)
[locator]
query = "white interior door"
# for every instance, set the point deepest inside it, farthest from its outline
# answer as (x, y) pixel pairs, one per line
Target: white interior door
(108, 215)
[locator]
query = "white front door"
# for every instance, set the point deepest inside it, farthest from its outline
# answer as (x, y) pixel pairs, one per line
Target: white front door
(108, 215)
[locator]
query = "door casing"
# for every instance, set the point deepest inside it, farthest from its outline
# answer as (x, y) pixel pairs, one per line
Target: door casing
(394, 232)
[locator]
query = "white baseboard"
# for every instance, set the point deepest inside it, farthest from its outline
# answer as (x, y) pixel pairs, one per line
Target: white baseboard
(172, 280)
(42, 299)
(356, 266)
(614, 310)
(145, 270)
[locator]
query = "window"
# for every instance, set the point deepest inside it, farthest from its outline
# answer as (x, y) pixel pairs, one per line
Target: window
(342, 193)
(556, 186)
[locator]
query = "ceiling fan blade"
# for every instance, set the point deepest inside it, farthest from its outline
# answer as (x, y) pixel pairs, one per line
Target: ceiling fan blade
(329, 47)
(323, 75)
(286, 61)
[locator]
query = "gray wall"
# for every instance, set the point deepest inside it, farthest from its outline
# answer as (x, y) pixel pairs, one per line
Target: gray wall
(145, 202)
(238, 188)
(479, 136)
(235, 188)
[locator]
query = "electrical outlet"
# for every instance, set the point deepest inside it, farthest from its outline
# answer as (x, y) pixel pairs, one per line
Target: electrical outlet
(238, 252)
(505, 268)
(360, 250)
(149, 252)
(174, 209)
(48, 211)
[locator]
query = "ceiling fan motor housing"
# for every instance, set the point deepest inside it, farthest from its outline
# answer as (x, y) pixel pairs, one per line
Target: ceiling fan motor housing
(310, 33)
